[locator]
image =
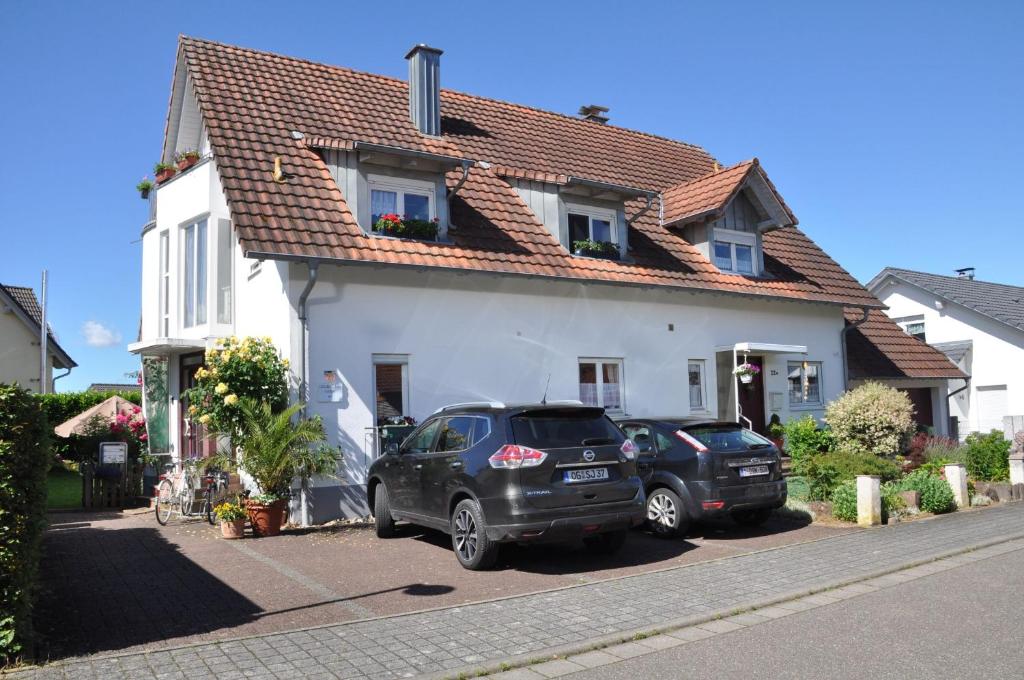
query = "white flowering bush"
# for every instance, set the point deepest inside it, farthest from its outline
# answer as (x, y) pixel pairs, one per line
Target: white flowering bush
(236, 369)
(872, 418)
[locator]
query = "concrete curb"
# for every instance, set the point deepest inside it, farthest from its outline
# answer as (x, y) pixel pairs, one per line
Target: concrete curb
(563, 651)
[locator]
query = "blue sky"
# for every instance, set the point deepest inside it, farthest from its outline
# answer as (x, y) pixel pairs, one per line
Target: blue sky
(892, 128)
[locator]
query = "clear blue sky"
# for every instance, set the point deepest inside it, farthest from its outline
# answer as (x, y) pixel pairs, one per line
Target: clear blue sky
(893, 129)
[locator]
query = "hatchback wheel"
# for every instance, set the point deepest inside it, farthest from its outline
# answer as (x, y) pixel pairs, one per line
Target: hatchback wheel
(383, 522)
(469, 537)
(666, 516)
(752, 518)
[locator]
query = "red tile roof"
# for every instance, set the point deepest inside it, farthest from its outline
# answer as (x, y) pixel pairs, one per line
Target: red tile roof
(251, 101)
(879, 348)
(708, 196)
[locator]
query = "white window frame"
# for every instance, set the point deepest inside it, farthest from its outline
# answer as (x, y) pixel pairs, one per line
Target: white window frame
(907, 321)
(164, 284)
(805, 404)
(598, 363)
(183, 259)
(400, 186)
(734, 238)
(591, 213)
(702, 369)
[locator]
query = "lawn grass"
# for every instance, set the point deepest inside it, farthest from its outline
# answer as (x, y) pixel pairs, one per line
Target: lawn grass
(798, 488)
(64, 488)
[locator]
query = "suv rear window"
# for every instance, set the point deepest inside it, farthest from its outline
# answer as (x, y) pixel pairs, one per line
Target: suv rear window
(726, 437)
(564, 429)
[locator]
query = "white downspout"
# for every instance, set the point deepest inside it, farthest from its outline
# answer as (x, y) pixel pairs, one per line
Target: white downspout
(314, 270)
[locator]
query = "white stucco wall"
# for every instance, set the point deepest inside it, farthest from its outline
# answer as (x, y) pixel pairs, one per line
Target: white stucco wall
(997, 353)
(19, 353)
(477, 337)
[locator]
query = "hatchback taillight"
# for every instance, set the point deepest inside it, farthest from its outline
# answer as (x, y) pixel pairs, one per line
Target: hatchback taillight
(629, 449)
(513, 456)
(691, 440)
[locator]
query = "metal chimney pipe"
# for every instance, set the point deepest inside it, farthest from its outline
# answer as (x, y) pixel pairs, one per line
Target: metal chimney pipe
(425, 89)
(44, 336)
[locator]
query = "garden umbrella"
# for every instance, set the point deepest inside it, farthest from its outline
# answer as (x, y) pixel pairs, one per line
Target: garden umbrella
(106, 409)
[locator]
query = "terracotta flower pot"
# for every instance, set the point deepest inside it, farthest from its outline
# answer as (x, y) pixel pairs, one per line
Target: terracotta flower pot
(186, 163)
(233, 529)
(164, 175)
(266, 519)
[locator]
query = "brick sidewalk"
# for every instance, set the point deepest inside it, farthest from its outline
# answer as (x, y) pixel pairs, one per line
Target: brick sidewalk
(453, 638)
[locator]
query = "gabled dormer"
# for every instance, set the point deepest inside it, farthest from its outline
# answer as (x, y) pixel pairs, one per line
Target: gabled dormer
(724, 215)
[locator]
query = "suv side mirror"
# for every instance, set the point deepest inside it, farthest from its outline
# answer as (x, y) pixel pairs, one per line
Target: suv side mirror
(643, 447)
(391, 449)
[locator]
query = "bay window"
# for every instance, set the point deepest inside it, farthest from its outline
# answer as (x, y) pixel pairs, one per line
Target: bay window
(601, 383)
(735, 251)
(164, 286)
(207, 275)
(804, 383)
(195, 274)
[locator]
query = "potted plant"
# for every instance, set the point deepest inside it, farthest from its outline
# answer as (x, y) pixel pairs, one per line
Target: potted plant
(390, 224)
(746, 372)
(274, 450)
(777, 432)
(186, 159)
(232, 519)
(605, 250)
(163, 172)
(144, 187)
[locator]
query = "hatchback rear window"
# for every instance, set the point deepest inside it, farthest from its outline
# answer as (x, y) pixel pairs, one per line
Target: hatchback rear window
(565, 429)
(727, 437)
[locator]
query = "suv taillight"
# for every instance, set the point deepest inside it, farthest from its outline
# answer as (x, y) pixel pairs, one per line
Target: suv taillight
(691, 440)
(512, 456)
(629, 449)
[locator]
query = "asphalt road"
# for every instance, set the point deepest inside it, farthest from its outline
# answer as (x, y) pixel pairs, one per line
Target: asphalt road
(964, 623)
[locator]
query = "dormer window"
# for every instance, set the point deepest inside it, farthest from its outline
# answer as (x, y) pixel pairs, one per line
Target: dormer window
(408, 198)
(735, 251)
(593, 232)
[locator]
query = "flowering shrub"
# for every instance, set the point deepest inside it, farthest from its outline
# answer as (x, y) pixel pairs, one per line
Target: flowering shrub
(229, 512)
(131, 428)
(391, 224)
(236, 369)
(872, 418)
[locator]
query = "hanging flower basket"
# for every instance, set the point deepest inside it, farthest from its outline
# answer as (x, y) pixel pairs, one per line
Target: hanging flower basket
(746, 372)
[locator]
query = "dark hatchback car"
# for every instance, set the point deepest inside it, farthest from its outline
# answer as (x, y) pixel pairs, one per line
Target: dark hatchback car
(695, 470)
(489, 474)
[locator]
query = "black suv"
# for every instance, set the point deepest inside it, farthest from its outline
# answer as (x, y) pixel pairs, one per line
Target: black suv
(490, 474)
(696, 470)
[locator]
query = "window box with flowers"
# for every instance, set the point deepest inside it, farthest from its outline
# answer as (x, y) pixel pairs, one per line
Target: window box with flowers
(391, 224)
(605, 250)
(163, 172)
(186, 159)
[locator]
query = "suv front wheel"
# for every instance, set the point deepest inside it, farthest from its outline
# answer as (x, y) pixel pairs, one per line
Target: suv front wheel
(469, 539)
(383, 522)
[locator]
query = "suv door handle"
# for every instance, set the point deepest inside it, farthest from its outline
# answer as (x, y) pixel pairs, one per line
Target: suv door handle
(456, 464)
(417, 466)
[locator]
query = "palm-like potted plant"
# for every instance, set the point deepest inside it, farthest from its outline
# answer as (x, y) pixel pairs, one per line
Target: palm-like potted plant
(274, 450)
(232, 519)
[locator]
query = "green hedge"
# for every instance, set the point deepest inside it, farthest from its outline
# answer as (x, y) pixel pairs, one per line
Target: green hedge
(24, 462)
(825, 472)
(988, 456)
(62, 406)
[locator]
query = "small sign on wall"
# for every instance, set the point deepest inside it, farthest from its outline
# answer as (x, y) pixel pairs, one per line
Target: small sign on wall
(113, 453)
(330, 388)
(775, 401)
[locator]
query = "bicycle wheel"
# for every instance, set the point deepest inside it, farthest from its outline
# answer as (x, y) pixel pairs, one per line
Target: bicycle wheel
(208, 500)
(188, 495)
(164, 502)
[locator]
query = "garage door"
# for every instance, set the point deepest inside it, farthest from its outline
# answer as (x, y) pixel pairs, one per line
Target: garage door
(991, 407)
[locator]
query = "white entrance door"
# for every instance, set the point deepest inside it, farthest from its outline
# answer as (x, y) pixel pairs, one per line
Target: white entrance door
(991, 407)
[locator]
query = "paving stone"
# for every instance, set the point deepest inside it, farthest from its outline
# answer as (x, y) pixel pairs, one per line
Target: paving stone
(556, 668)
(594, 659)
(690, 634)
(627, 650)
(660, 642)
(720, 626)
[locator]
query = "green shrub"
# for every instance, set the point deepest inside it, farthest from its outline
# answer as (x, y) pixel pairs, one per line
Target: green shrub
(804, 440)
(827, 471)
(987, 456)
(936, 496)
(24, 461)
(844, 501)
(872, 418)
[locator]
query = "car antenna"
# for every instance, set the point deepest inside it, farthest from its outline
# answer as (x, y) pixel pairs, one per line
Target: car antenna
(544, 399)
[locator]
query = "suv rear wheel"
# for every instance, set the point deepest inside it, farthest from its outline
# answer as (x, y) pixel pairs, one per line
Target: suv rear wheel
(383, 522)
(666, 516)
(752, 518)
(606, 544)
(469, 538)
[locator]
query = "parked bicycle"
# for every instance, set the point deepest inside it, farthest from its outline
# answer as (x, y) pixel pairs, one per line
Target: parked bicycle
(182, 488)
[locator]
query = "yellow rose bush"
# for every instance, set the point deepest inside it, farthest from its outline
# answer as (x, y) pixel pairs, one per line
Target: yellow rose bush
(237, 369)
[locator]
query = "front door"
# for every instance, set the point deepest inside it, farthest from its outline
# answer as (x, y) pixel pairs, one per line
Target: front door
(751, 395)
(194, 440)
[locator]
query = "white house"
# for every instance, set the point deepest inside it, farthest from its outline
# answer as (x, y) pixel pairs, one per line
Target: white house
(21, 360)
(979, 325)
(272, 234)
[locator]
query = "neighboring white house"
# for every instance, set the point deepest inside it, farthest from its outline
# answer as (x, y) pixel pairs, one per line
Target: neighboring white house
(979, 325)
(21, 359)
(271, 234)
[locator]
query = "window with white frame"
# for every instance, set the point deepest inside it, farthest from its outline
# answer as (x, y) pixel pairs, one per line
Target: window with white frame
(225, 271)
(601, 383)
(695, 374)
(194, 264)
(913, 326)
(735, 251)
(408, 198)
(164, 289)
(591, 224)
(804, 383)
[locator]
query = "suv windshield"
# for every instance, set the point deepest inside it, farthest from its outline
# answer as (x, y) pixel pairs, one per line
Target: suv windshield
(726, 437)
(555, 429)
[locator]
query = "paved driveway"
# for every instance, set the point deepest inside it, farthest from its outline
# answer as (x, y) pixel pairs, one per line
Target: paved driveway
(122, 582)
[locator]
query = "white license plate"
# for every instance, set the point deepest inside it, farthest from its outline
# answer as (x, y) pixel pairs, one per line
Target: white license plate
(753, 471)
(585, 475)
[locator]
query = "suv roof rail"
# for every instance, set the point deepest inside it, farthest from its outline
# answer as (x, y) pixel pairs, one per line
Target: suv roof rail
(564, 402)
(470, 404)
